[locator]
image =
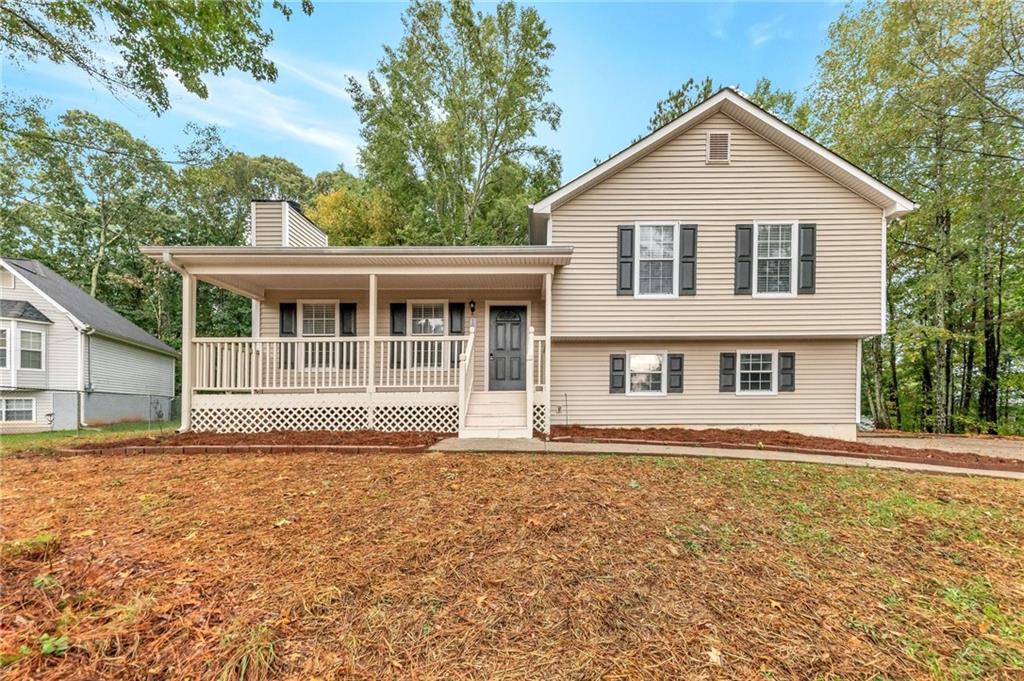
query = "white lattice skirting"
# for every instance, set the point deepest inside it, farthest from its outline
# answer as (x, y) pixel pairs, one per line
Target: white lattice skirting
(540, 418)
(389, 412)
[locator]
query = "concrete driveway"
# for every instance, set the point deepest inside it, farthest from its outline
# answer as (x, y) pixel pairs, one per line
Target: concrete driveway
(1010, 448)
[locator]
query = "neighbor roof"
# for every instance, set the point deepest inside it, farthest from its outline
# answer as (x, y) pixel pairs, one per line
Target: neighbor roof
(736, 106)
(81, 306)
(22, 309)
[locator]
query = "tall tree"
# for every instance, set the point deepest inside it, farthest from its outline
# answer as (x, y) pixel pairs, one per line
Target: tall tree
(920, 94)
(153, 39)
(449, 110)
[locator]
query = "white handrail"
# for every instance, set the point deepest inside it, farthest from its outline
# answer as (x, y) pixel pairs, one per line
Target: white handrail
(466, 376)
(529, 384)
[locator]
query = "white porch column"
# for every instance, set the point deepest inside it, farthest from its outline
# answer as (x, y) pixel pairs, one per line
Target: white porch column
(188, 332)
(547, 348)
(371, 385)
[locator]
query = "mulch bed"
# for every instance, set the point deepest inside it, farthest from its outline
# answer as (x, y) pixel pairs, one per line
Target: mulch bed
(441, 566)
(735, 438)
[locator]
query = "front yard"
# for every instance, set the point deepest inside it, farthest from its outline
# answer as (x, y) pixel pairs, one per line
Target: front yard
(439, 566)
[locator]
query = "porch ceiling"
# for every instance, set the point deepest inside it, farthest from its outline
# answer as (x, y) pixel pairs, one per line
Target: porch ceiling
(251, 271)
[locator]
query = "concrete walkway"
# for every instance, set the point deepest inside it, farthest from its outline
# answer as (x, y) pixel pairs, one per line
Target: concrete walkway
(532, 445)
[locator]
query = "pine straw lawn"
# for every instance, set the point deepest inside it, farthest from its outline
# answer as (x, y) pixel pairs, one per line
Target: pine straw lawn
(512, 566)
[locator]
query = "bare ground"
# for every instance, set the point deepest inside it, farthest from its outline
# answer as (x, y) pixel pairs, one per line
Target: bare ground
(448, 566)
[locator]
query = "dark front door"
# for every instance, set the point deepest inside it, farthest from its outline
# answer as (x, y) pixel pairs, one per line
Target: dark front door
(508, 347)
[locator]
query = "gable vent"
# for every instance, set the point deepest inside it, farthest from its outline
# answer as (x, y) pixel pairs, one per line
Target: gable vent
(718, 147)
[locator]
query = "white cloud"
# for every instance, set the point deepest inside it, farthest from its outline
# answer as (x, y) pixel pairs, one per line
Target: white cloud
(237, 102)
(329, 79)
(719, 18)
(766, 31)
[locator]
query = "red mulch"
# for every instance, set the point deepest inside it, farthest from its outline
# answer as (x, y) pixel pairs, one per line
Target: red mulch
(279, 437)
(782, 439)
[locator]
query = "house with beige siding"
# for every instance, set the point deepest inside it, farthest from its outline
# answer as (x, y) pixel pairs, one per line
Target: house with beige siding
(721, 271)
(67, 360)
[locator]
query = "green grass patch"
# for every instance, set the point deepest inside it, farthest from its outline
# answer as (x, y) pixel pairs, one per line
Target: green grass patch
(59, 439)
(39, 547)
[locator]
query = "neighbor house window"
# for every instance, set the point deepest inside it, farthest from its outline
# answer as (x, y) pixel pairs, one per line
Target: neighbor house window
(428, 320)
(646, 373)
(656, 260)
(31, 350)
(757, 372)
(18, 409)
(3, 348)
(774, 257)
(318, 319)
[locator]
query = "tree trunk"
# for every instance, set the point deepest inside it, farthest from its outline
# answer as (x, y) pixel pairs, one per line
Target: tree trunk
(988, 396)
(881, 413)
(927, 423)
(894, 385)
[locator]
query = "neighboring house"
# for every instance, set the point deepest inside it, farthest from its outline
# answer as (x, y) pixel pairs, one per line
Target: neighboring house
(67, 360)
(722, 271)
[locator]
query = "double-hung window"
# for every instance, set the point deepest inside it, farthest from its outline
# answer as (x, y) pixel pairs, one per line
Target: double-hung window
(31, 354)
(657, 251)
(319, 319)
(18, 409)
(774, 258)
(646, 373)
(3, 348)
(756, 373)
(428, 320)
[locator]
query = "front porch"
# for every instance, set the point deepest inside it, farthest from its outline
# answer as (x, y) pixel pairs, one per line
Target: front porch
(443, 340)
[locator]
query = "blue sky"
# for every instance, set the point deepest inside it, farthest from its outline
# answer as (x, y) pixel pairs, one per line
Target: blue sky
(613, 62)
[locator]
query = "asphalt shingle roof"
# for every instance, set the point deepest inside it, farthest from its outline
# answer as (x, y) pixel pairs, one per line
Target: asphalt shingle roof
(82, 306)
(22, 309)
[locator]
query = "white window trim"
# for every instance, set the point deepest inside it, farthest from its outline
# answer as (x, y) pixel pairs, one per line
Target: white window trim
(42, 350)
(664, 374)
(3, 409)
(794, 248)
(775, 372)
(675, 259)
(428, 301)
(5, 363)
(337, 317)
(728, 148)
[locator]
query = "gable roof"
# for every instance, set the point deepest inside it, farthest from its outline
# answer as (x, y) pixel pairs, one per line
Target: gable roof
(81, 307)
(22, 309)
(735, 105)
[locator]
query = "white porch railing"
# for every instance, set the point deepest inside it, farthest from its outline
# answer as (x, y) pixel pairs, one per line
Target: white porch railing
(466, 376)
(530, 375)
(257, 364)
(540, 349)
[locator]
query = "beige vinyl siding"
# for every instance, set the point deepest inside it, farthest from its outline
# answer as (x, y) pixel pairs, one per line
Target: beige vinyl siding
(61, 343)
(826, 385)
(302, 232)
(270, 312)
(761, 182)
(122, 368)
(267, 217)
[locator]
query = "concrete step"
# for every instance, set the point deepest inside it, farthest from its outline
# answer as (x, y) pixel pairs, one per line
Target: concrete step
(499, 397)
(495, 433)
(495, 420)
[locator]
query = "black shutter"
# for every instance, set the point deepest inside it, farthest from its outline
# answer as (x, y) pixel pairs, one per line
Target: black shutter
(456, 318)
(808, 253)
(616, 373)
(625, 261)
(348, 319)
(456, 327)
(687, 260)
(787, 372)
(397, 329)
(287, 327)
(744, 259)
(287, 316)
(727, 372)
(675, 373)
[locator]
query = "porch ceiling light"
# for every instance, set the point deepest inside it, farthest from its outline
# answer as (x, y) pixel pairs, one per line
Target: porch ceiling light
(472, 306)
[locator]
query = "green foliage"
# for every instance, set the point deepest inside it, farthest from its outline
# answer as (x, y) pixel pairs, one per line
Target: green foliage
(153, 39)
(929, 97)
(53, 645)
(39, 547)
(782, 103)
(448, 120)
